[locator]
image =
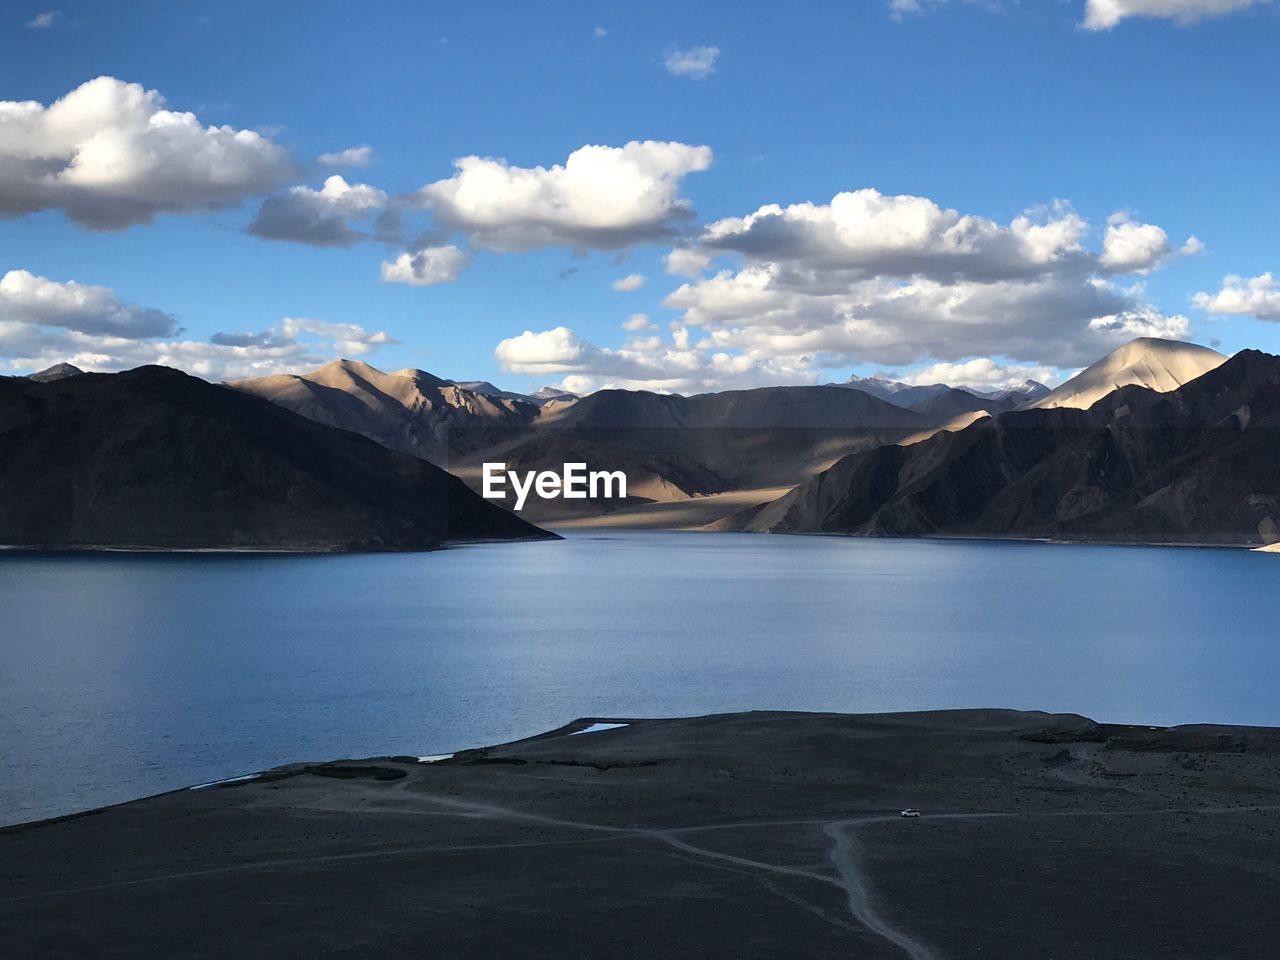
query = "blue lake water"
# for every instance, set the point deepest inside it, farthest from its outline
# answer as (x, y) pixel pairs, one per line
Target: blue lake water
(124, 675)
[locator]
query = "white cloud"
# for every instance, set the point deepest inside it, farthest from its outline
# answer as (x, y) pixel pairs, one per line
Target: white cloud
(641, 364)
(685, 262)
(867, 233)
(43, 21)
(32, 301)
(1244, 296)
(600, 198)
(896, 281)
(109, 155)
(900, 280)
(1105, 14)
(1130, 247)
(428, 266)
(632, 281)
(983, 373)
(1141, 320)
(601, 32)
(360, 156)
(43, 322)
(769, 312)
(638, 322)
(349, 339)
(318, 217)
(696, 63)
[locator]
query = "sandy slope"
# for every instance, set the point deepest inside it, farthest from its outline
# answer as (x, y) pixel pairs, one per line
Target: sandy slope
(1160, 365)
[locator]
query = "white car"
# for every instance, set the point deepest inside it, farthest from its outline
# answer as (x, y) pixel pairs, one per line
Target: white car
(910, 812)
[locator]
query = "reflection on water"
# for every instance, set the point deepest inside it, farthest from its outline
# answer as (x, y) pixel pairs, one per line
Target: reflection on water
(126, 675)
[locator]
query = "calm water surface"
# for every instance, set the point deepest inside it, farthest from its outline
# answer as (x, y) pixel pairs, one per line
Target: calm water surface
(126, 675)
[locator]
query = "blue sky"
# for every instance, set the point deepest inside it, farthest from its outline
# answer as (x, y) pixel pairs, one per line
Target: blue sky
(990, 110)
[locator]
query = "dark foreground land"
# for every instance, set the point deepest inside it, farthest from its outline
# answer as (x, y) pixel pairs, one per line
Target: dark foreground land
(750, 835)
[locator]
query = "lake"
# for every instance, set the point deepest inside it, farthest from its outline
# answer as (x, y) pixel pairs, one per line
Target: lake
(124, 675)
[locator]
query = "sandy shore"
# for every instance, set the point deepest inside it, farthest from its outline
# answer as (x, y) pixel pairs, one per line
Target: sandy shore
(747, 835)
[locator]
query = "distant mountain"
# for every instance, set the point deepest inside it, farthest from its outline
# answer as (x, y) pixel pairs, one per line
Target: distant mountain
(895, 391)
(538, 398)
(1160, 365)
(155, 458)
(1198, 464)
(59, 371)
(713, 442)
(551, 393)
(951, 402)
(940, 401)
(763, 407)
(487, 389)
(1027, 390)
(409, 410)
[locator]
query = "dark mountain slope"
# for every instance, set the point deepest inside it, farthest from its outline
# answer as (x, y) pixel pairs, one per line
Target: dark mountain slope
(1199, 464)
(714, 442)
(951, 403)
(155, 458)
(765, 407)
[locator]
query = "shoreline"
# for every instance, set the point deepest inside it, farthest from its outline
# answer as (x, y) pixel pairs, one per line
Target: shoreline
(559, 531)
(574, 727)
(1037, 833)
(606, 531)
(312, 551)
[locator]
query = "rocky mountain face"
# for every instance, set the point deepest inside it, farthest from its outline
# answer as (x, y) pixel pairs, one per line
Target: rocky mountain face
(715, 442)
(410, 410)
(156, 458)
(1198, 464)
(670, 447)
(59, 371)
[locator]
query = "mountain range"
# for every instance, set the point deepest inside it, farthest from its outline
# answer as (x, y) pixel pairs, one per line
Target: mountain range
(676, 448)
(1199, 463)
(153, 458)
(1140, 445)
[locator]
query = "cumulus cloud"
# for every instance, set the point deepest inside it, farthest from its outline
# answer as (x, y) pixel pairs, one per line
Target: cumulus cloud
(43, 322)
(1131, 247)
(321, 217)
(686, 262)
(896, 281)
(43, 21)
(360, 156)
(110, 155)
(32, 301)
(900, 280)
(427, 266)
(632, 281)
(348, 339)
(866, 233)
(1105, 14)
(1244, 296)
(647, 363)
(637, 322)
(696, 63)
(766, 311)
(599, 198)
(983, 374)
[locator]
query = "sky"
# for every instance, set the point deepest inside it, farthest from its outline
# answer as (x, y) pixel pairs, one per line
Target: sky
(665, 196)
